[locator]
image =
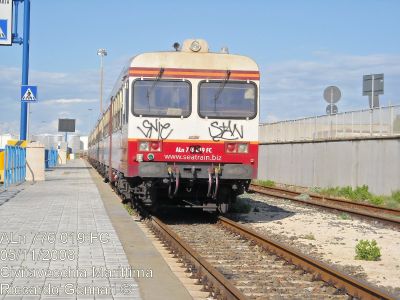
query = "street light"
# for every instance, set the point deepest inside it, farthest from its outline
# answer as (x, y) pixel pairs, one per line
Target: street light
(90, 119)
(101, 52)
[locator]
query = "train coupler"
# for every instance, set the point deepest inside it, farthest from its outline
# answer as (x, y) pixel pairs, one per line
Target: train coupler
(173, 173)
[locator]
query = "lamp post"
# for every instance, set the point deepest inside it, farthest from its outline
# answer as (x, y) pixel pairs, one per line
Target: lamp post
(90, 119)
(101, 52)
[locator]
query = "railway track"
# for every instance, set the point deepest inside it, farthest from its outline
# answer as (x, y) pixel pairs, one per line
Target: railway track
(383, 214)
(235, 262)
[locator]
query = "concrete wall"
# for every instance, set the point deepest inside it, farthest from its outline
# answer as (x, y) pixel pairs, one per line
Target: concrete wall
(374, 162)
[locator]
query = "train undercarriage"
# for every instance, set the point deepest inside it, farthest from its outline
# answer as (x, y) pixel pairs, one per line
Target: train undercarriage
(212, 193)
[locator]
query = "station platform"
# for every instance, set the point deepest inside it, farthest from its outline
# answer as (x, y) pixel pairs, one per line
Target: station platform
(69, 237)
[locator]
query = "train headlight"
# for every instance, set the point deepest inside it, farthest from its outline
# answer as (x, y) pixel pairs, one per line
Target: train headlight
(155, 146)
(143, 146)
(243, 148)
(195, 46)
(231, 148)
(139, 157)
(147, 146)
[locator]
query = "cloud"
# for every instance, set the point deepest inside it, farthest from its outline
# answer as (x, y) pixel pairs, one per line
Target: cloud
(60, 94)
(68, 101)
(294, 88)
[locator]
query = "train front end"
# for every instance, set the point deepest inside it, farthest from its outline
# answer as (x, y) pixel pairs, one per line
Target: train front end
(193, 127)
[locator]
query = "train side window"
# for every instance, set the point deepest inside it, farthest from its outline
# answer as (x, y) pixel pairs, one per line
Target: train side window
(126, 98)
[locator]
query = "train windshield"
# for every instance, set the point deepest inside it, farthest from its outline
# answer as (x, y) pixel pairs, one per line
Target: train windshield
(161, 98)
(227, 100)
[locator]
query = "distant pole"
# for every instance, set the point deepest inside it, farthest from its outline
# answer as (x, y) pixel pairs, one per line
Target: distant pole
(25, 68)
(101, 83)
(372, 93)
(101, 52)
(90, 119)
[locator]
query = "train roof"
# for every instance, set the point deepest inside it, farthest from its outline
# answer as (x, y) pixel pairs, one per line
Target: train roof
(194, 54)
(185, 60)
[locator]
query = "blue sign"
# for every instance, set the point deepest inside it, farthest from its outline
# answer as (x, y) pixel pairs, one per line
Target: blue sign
(28, 93)
(3, 29)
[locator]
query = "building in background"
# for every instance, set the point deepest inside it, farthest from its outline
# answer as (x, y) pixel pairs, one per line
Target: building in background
(76, 142)
(4, 138)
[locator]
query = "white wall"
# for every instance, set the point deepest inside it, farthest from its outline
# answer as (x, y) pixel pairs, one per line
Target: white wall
(4, 138)
(84, 141)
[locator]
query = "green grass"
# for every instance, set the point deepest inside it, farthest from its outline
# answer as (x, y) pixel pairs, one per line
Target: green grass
(309, 236)
(240, 206)
(360, 193)
(344, 216)
(396, 196)
(266, 183)
(128, 208)
(368, 250)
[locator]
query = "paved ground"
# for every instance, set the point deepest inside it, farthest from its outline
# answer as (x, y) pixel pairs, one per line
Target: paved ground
(140, 250)
(57, 242)
(11, 192)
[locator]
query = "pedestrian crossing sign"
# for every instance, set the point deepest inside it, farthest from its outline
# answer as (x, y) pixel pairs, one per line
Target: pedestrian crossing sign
(3, 29)
(29, 93)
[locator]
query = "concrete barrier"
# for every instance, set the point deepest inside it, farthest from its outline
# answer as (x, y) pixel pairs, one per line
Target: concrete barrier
(35, 162)
(62, 157)
(351, 162)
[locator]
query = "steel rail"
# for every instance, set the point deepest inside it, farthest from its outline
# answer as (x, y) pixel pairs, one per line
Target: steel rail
(351, 285)
(204, 270)
(375, 208)
(387, 215)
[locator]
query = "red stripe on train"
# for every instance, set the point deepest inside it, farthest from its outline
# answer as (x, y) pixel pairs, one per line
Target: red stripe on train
(189, 152)
(194, 73)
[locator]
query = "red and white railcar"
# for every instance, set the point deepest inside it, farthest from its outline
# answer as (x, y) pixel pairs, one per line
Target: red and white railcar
(182, 128)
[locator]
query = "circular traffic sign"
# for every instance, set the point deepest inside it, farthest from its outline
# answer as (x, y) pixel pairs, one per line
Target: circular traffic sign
(331, 109)
(332, 94)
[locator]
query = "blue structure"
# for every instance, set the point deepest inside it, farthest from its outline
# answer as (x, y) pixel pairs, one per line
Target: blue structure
(50, 158)
(14, 165)
(25, 59)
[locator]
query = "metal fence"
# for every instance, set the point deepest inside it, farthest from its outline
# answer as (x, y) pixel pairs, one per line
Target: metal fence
(384, 121)
(51, 158)
(14, 165)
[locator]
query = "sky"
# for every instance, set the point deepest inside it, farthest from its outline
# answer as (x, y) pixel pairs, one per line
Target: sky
(301, 47)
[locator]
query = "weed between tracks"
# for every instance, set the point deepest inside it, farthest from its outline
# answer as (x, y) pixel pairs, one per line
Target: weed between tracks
(266, 183)
(361, 193)
(368, 250)
(344, 216)
(309, 236)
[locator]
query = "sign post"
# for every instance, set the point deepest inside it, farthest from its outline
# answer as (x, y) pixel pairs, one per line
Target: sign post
(373, 86)
(8, 37)
(25, 68)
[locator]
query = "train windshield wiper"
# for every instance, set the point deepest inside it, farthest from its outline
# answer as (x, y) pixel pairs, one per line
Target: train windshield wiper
(221, 88)
(160, 73)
